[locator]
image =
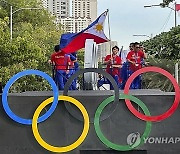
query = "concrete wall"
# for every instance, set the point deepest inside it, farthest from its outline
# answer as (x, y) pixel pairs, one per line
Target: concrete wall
(62, 128)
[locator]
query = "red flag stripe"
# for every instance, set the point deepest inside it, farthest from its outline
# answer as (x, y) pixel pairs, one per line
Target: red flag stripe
(177, 7)
(79, 42)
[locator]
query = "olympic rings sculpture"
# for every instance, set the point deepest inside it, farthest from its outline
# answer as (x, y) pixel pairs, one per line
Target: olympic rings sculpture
(54, 100)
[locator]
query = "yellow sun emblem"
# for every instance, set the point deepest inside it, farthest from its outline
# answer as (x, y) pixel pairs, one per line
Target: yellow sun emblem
(99, 27)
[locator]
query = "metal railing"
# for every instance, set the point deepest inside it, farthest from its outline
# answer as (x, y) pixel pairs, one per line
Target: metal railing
(101, 80)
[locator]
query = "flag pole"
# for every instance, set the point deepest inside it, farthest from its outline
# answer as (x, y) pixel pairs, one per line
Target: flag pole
(175, 19)
(176, 65)
(109, 31)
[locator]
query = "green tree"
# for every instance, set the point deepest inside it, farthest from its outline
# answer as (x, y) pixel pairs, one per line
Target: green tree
(163, 51)
(80, 57)
(34, 37)
(156, 80)
(165, 45)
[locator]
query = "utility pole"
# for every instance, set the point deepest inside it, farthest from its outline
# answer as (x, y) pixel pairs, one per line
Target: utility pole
(175, 20)
(11, 17)
(175, 24)
(144, 35)
(11, 13)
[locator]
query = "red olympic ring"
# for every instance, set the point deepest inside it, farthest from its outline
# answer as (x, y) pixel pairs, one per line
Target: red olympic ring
(166, 114)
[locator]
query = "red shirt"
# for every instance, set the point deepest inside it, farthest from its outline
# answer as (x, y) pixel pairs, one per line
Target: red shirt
(71, 66)
(135, 57)
(61, 60)
(116, 61)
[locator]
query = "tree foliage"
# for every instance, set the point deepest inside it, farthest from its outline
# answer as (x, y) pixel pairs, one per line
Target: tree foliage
(156, 80)
(34, 36)
(166, 2)
(163, 51)
(165, 45)
(80, 57)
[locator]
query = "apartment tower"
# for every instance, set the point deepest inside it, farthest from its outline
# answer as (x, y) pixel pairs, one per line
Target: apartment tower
(84, 8)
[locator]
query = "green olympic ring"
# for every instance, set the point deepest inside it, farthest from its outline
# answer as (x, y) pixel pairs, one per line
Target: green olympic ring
(104, 139)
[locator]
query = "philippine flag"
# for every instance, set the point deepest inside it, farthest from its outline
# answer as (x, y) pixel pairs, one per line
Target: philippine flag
(71, 42)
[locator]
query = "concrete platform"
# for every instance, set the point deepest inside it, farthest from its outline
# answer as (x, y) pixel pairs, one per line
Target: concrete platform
(63, 127)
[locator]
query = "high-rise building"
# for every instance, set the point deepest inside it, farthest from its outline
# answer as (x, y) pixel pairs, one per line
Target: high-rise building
(73, 25)
(44, 3)
(83, 13)
(59, 8)
(84, 8)
(104, 49)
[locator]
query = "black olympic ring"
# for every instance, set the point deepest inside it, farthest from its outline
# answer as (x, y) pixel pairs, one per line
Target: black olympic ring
(110, 110)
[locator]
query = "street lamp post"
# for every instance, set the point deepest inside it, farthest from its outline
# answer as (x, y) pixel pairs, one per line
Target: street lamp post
(174, 9)
(11, 17)
(175, 24)
(143, 35)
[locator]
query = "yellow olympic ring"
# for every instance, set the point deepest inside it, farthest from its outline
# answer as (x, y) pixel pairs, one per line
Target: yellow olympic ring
(69, 147)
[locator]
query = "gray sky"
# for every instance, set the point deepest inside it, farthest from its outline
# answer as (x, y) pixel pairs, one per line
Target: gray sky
(129, 17)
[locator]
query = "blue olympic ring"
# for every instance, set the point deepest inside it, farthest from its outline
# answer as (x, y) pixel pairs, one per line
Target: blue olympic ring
(16, 77)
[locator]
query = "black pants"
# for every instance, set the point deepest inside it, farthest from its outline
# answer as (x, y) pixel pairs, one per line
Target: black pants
(0, 88)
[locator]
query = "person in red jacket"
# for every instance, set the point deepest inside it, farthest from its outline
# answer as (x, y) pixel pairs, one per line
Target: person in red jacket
(61, 62)
(113, 63)
(134, 58)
